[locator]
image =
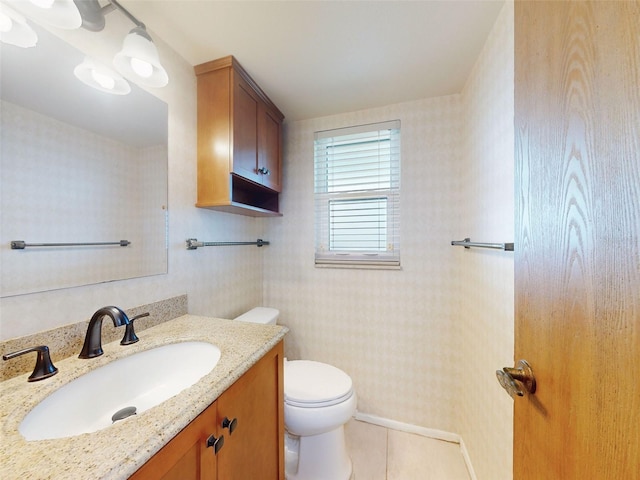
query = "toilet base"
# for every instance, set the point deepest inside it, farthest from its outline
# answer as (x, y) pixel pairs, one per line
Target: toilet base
(320, 457)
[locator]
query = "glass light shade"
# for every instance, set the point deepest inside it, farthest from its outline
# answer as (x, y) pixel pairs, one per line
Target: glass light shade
(42, 3)
(60, 14)
(138, 60)
(105, 81)
(14, 29)
(142, 68)
(101, 77)
(6, 24)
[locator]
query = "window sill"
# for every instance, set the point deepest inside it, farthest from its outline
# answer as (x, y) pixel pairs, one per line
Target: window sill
(356, 266)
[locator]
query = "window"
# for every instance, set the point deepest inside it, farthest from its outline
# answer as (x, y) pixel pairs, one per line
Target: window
(357, 195)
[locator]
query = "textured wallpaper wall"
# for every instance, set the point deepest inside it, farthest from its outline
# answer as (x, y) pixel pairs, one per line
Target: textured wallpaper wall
(422, 343)
(392, 331)
(485, 330)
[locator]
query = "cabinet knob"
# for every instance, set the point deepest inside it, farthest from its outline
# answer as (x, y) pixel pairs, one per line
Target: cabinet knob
(216, 443)
(230, 424)
(264, 171)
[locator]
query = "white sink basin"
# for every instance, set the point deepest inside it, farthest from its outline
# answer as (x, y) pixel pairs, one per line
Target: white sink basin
(142, 380)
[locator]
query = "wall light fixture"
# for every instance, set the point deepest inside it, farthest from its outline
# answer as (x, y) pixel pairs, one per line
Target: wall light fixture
(138, 60)
(14, 28)
(101, 77)
(55, 13)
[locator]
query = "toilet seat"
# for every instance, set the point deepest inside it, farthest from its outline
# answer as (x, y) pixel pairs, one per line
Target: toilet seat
(310, 384)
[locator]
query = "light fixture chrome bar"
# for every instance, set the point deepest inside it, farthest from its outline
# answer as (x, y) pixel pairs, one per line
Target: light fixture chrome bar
(193, 243)
(93, 14)
(127, 14)
(21, 244)
(467, 243)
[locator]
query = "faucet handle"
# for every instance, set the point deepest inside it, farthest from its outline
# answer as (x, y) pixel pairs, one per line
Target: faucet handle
(130, 336)
(44, 366)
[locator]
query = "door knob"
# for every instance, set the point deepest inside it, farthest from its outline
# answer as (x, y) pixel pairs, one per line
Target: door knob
(513, 380)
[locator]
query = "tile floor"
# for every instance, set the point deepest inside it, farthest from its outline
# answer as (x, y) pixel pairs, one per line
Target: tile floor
(379, 453)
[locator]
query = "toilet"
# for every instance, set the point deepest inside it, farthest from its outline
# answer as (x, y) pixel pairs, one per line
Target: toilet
(318, 401)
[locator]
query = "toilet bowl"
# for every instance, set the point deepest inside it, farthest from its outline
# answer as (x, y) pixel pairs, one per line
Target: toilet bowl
(319, 400)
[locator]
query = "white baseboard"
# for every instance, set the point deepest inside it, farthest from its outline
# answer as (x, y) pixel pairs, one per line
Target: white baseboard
(423, 431)
(467, 460)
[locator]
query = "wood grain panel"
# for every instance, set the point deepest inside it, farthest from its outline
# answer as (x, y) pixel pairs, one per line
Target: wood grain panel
(255, 449)
(186, 456)
(270, 155)
(214, 133)
(245, 130)
(578, 238)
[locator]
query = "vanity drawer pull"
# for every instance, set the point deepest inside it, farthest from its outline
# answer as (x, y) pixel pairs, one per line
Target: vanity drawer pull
(216, 443)
(230, 424)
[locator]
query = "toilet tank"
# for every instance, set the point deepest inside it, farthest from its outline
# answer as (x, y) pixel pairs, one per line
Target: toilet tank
(264, 315)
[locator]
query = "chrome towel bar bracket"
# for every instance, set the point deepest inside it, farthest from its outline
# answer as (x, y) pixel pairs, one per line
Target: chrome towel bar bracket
(467, 243)
(193, 243)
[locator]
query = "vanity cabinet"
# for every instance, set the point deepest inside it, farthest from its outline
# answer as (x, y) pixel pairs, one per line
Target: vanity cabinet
(239, 142)
(246, 421)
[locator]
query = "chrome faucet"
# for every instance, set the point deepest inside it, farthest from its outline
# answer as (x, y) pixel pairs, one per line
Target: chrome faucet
(93, 340)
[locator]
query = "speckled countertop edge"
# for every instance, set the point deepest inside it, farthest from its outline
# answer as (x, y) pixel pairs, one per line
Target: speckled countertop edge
(118, 451)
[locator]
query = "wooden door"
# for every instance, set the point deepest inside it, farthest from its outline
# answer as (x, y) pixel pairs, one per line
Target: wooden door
(577, 98)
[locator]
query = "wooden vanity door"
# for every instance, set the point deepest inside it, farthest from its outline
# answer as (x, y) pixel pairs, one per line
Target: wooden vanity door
(255, 449)
(187, 456)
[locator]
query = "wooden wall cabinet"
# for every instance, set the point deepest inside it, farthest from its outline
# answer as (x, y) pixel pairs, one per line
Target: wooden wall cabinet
(239, 142)
(255, 448)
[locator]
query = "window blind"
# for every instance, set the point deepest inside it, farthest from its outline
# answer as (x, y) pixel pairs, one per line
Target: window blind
(357, 195)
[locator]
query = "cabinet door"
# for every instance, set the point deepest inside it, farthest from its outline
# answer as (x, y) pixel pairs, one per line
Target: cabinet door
(245, 130)
(186, 456)
(270, 155)
(255, 448)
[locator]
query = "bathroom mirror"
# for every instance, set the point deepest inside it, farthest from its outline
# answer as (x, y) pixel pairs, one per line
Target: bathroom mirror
(77, 166)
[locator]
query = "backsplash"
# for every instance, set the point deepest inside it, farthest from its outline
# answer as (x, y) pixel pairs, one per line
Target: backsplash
(67, 340)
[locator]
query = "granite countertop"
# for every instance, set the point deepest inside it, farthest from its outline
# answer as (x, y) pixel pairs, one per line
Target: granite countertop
(118, 451)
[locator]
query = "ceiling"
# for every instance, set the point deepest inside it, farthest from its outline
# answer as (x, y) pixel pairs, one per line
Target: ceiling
(318, 58)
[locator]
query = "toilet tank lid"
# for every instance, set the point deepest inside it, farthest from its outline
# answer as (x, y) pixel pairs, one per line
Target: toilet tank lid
(264, 315)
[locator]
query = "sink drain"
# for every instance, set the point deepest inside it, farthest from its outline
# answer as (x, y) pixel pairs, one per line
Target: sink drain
(123, 413)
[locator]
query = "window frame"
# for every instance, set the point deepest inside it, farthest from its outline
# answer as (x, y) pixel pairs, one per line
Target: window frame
(387, 189)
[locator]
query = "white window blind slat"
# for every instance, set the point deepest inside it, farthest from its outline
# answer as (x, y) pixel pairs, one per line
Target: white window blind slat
(357, 192)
